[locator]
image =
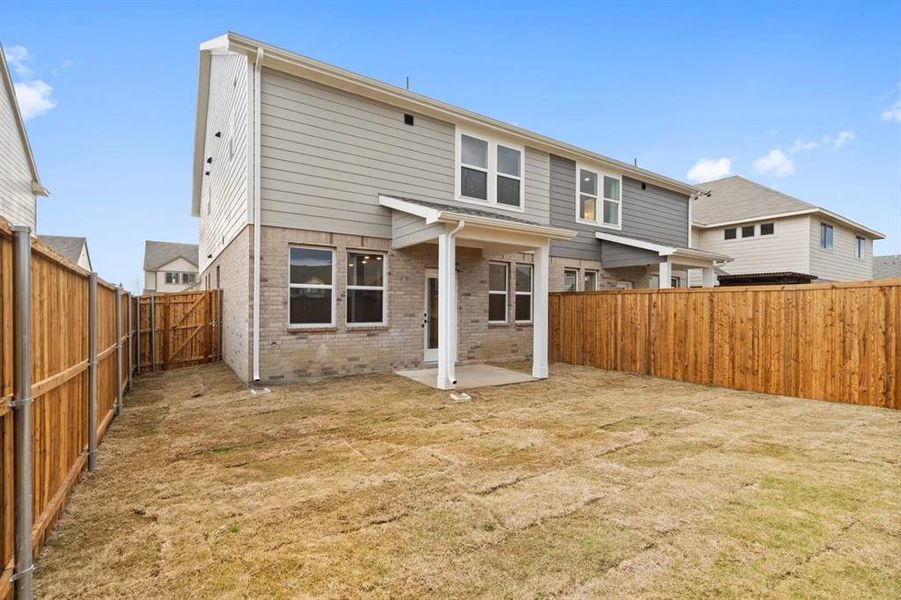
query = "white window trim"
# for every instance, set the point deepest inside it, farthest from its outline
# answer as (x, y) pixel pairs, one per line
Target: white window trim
(820, 247)
(741, 232)
(578, 276)
(757, 235)
(768, 235)
(492, 172)
(859, 238)
(599, 199)
(506, 292)
(517, 293)
(312, 286)
(596, 277)
(383, 288)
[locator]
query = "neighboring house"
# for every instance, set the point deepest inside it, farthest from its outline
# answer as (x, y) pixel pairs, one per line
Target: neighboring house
(169, 267)
(887, 267)
(355, 226)
(19, 180)
(769, 233)
(75, 249)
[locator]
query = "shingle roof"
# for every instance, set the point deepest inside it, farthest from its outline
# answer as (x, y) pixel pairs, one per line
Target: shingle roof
(68, 246)
(885, 267)
(736, 198)
(466, 210)
(157, 254)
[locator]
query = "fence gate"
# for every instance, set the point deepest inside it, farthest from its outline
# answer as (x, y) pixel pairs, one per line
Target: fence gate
(179, 330)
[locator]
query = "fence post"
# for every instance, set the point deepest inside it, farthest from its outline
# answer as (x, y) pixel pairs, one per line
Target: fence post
(118, 350)
(92, 372)
(131, 368)
(152, 333)
(219, 324)
(138, 350)
(22, 405)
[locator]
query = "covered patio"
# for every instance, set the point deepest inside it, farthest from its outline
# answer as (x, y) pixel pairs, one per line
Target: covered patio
(494, 234)
(663, 260)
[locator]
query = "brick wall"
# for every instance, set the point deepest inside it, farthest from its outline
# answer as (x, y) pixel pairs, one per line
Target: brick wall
(289, 354)
(235, 282)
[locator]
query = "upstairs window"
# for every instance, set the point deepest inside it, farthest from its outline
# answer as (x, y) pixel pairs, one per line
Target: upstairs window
(190, 278)
(826, 234)
(598, 198)
(747, 231)
(311, 287)
(365, 288)
(490, 172)
(729, 233)
(172, 277)
(860, 247)
(767, 228)
(498, 282)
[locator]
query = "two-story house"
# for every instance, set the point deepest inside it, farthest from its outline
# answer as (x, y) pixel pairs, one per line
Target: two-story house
(169, 267)
(776, 238)
(19, 180)
(355, 226)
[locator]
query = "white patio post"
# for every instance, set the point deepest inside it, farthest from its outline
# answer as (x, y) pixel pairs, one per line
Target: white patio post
(447, 311)
(708, 280)
(666, 275)
(540, 311)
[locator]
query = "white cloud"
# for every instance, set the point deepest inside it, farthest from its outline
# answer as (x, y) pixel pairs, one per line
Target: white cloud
(892, 113)
(35, 98)
(709, 169)
(840, 140)
(775, 162)
(16, 57)
(802, 146)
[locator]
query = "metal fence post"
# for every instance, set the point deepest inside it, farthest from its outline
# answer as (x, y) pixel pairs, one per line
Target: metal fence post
(152, 334)
(92, 372)
(118, 350)
(138, 349)
(22, 405)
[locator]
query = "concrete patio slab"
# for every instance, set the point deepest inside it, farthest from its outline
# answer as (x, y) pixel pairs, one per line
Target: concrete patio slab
(470, 376)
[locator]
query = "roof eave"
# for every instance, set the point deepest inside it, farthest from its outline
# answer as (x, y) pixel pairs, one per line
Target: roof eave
(203, 95)
(37, 188)
(291, 62)
(795, 213)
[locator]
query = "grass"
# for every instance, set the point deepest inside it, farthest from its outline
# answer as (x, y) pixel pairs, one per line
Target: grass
(590, 484)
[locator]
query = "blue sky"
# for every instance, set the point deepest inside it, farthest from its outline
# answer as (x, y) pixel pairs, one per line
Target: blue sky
(804, 97)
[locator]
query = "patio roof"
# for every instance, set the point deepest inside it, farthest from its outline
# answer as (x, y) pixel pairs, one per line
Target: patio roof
(663, 250)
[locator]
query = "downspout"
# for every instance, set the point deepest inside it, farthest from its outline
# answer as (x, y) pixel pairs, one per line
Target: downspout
(257, 72)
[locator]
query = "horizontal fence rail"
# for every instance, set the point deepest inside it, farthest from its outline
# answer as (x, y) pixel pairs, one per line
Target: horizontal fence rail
(837, 342)
(83, 357)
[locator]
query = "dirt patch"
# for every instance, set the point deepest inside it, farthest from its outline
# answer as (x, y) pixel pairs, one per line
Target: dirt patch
(590, 484)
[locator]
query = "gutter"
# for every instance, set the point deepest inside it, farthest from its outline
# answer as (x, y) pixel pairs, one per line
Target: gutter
(257, 71)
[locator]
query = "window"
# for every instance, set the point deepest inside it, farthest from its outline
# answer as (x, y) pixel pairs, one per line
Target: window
(311, 287)
(825, 236)
(767, 228)
(490, 172)
(172, 278)
(860, 247)
(729, 234)
(497, 292)
(747, 231)
(588, 198)
(675, 282)
(570, 280)
(188, 278)
(523, 308)
(366, 288)
(590, 281)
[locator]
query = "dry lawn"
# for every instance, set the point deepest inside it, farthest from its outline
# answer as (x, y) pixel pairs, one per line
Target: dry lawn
(592, 484)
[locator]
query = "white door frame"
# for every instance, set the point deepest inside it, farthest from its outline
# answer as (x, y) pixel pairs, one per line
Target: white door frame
(429, 354)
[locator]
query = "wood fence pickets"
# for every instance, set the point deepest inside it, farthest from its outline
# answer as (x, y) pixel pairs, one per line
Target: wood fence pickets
(60, 378)
(186, 327)
(836, 342)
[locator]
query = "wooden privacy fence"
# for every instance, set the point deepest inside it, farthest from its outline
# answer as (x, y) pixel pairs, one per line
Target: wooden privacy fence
(60, 392)
(179, 330)
(837, 342)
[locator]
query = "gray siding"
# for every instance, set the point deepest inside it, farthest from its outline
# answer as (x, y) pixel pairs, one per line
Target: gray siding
(618, 255)
(407, 229)
(223, 195)
(17, 201)
(652, 214)
(327, 155)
